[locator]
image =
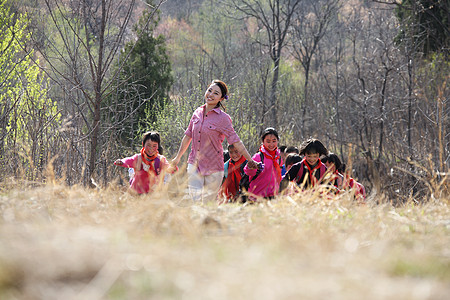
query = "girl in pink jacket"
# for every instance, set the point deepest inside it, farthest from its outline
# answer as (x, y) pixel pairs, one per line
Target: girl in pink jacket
(148, 165)
(265, 181)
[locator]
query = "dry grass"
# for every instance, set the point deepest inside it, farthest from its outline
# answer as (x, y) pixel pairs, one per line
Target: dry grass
(58, 242)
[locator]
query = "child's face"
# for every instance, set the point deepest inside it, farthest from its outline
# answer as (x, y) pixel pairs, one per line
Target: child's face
(151, 147)
(234, 154)
(312, 158)
(270, 142)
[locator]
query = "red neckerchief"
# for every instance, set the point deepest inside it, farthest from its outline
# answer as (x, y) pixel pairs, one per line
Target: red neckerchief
(234, 175)
(146, 159)
(311, 171)
(275, 158)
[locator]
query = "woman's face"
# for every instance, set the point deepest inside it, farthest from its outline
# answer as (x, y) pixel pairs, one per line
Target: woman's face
(330, 166)
(151, 147)
(213, 95)
(270, 142)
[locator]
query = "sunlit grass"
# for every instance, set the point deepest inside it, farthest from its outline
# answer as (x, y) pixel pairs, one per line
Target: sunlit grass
(59, 242)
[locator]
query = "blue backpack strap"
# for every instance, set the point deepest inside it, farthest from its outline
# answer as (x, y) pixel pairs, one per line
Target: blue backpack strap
(226, 165)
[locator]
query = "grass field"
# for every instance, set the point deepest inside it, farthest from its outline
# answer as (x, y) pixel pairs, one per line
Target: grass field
(59, 242)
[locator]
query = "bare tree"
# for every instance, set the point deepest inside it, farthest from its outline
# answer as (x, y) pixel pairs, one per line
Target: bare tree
(274, 16)
(309, 25)
(79, 47)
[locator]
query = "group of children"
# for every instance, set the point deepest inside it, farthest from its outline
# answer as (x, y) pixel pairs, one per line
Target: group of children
(263, 175)
(280, 169)
(303, 168)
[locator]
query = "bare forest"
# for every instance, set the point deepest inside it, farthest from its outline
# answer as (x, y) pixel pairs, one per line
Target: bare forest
(346, 72)
(355, 74)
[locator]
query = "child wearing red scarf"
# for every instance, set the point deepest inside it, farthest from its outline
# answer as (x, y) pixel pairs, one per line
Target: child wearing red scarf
(343, 182)
(310, 171)
(234, 171)
(267, 183)
(149, 165)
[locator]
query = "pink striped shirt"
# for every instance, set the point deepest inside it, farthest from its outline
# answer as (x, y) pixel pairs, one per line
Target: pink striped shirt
(208, 133)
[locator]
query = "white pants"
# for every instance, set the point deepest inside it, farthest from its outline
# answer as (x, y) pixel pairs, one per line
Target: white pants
(203, 188)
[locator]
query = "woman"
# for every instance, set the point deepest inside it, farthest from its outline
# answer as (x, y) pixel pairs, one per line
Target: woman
(207, 129)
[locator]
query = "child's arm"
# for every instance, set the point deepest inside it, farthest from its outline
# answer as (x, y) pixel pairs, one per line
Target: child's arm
(118, 162)
(127, 162)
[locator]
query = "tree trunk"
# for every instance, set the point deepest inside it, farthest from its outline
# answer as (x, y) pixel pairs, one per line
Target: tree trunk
(273, 93)
(98, 96)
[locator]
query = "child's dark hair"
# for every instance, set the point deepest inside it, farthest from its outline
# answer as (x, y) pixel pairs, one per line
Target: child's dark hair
(154, 137)
(224, 89)
(333, 158)
(226, 155)
(282, 148)
(267, 131)
(292, 149)
(311, 146)
(292, 158)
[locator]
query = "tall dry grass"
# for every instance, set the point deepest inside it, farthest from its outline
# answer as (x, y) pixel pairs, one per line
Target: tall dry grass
(59, 242)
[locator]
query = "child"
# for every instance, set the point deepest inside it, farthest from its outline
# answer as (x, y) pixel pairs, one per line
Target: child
(333, 164)
(147, 165)
(287, 151)
(234, 170)
(292, 159)
(310, 171)
(340, 181)
(266, 183)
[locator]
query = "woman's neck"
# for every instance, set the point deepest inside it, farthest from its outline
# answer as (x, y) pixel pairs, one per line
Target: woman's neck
(208, 108)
